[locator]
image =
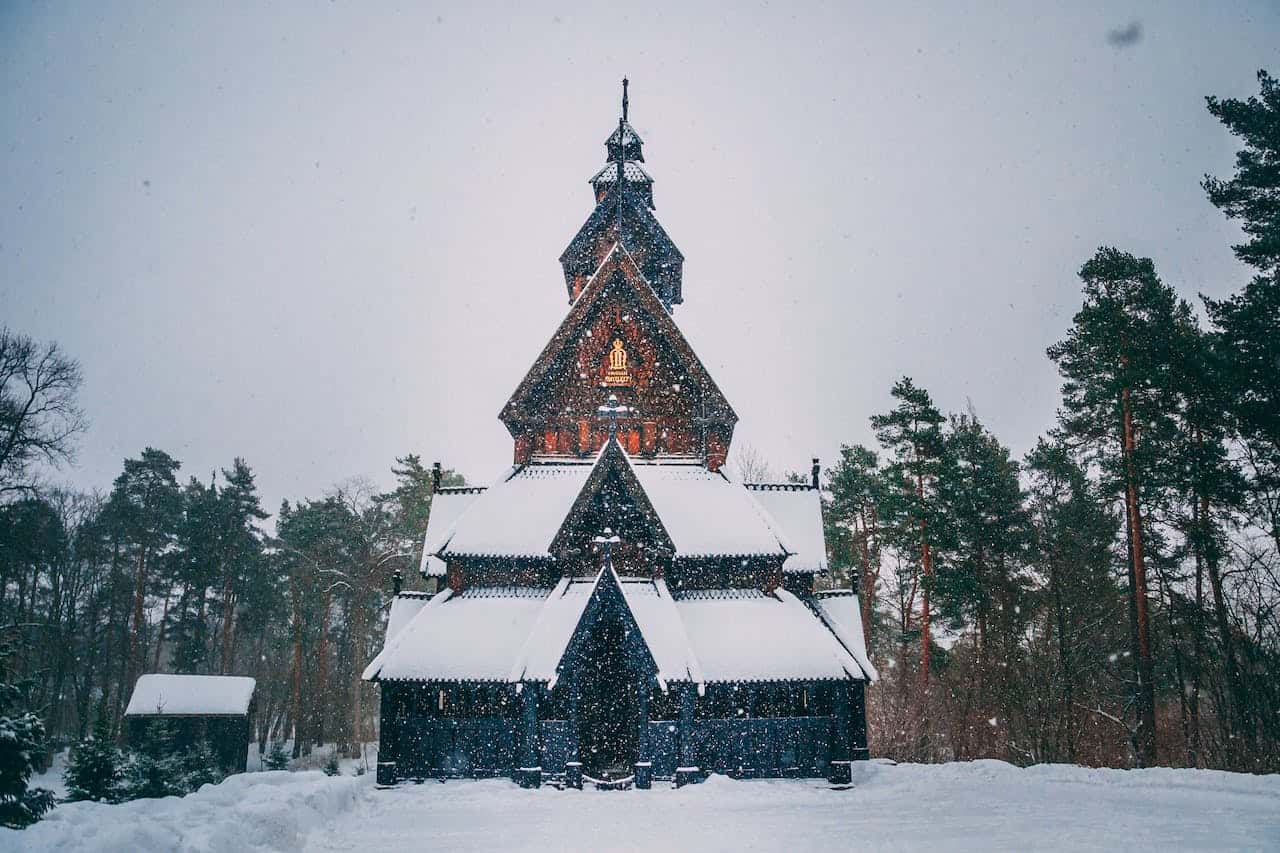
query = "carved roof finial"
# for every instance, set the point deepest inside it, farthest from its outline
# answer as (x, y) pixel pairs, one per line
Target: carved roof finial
(610, 412)
(624, 98)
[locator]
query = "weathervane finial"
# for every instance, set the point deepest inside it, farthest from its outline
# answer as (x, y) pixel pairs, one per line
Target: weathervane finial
(624, 98)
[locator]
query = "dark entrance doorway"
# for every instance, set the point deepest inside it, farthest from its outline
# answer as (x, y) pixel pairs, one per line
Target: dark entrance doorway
(608, 712)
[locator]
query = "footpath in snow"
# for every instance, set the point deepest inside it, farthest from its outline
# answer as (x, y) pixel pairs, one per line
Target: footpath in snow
(981, 805)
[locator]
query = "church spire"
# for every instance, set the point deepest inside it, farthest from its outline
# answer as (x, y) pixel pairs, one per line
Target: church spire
(624, 143)
(624, 214)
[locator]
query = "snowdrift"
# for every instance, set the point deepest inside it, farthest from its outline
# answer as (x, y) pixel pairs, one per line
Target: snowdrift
(252, 811)
(977, 805)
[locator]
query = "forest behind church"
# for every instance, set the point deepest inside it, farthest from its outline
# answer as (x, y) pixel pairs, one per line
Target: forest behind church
(1111, 598)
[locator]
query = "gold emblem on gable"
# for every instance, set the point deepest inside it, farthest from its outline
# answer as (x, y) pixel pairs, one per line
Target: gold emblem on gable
(617, 372)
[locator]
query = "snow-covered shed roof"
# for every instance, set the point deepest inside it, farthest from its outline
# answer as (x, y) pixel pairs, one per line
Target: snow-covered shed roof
(797, 510)
(190, 695)
(446, 507)
(748, 635)
(841, 612)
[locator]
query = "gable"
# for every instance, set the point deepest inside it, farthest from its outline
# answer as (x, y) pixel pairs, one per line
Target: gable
(607, 602)
(663, 380)
(613, 497)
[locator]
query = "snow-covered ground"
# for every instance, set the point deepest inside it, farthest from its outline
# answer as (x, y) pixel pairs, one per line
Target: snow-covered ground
(983, 805)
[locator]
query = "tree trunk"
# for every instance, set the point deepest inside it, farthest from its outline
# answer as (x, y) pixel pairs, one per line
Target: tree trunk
(322, 672)
(1199, 522)
(164, 617)
(1239, 710)
(135, 638)
(297, 668)
(228, 606)
(926, 564)
(1146, 735)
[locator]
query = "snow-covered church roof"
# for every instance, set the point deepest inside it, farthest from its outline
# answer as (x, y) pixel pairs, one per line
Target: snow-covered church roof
(446, 506)
(704, 514)
(513, 634)
(842, 613)
(190, 695)
(797, 509)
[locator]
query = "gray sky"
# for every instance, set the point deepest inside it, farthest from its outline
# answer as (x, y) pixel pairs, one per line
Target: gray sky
(318, 236)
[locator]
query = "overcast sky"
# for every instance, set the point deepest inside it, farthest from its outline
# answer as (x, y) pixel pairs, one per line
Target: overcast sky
(320, 235)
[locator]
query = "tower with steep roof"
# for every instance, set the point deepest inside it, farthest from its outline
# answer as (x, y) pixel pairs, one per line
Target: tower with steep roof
(614, 606)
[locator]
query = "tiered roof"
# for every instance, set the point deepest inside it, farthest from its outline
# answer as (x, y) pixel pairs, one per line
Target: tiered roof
(519, 635)
(701, 512)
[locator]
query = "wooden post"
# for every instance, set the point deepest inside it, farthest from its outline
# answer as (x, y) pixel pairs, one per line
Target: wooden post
(389, 735)
(644, 767)
(840, 769)
(529, 774)
(574, 747)
(858, 722)
(687, 772)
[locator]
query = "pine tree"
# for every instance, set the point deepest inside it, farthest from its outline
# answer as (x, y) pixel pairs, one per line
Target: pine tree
(983, 532)
(1246, 346)
(1117, 365)
(95, 768)
(1249, 195)
(856, 488)
(200, 767)
(22, 738)
(156, 769)
(912, 433)
(1072, 535)
(331, 767)
(147, 504)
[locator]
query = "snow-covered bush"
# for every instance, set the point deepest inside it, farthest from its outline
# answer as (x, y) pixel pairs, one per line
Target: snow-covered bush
(200, 767)
(156, 769)
(21, 740)
(95, 768)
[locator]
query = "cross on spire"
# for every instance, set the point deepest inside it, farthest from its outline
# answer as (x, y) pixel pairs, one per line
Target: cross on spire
(611, 411)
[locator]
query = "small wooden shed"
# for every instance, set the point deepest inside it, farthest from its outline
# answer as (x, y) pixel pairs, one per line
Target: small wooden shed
(215, 709)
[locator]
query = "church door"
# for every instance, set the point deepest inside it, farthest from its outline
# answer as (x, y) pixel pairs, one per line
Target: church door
(608, 711)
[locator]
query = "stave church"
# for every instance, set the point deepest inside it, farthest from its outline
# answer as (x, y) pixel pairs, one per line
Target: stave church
(615, 608)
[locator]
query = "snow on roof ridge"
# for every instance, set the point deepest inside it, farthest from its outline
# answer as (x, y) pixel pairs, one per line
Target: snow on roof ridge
(609, 173)
(504, 591)
(721, 593)
(772, 524)
(619, 249)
